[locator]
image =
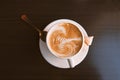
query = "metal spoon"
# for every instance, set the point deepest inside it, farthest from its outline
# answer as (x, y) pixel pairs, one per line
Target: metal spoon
(42, 34)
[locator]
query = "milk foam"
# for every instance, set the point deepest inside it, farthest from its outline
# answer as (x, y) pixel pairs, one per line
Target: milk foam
(65, 40)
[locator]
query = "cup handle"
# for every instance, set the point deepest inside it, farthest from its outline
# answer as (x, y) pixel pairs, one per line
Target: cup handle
(70, 63)
(89, 40)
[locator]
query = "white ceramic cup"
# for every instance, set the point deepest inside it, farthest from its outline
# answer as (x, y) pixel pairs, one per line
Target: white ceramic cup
(85, 39)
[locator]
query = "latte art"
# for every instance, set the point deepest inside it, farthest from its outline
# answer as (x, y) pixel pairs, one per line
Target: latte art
(65, 39)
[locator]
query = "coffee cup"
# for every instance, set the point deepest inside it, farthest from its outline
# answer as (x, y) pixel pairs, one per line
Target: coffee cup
(65, 39)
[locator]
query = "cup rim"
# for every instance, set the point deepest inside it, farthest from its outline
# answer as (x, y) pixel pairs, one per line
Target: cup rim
(67, 21)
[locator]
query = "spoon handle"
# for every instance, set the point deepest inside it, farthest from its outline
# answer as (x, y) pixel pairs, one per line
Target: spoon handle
(25, 18)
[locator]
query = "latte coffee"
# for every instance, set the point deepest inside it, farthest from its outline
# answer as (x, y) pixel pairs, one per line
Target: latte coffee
(65, 40)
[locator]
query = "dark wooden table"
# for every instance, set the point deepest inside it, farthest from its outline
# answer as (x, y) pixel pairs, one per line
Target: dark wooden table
(20, 57)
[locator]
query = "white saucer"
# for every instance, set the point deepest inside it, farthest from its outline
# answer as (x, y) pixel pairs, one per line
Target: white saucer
(58, 62)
